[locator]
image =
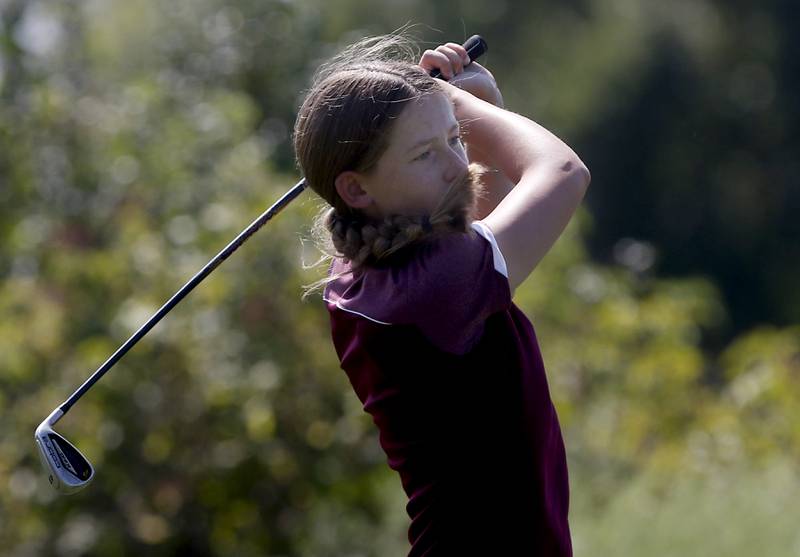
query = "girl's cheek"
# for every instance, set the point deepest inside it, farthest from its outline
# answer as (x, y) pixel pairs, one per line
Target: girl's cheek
(417, 173)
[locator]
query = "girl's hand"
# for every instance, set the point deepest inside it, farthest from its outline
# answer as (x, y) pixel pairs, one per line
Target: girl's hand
(453, 62)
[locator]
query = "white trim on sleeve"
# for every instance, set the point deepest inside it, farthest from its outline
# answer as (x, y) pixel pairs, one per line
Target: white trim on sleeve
(338, 304)
(499, 260)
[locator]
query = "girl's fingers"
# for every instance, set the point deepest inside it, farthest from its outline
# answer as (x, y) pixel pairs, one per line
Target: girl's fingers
(434, 59)
(450, 59)
(456, 61)
(461, 51)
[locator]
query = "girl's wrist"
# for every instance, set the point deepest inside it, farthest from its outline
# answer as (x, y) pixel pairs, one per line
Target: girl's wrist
(468, 106)
(497, 99)
(490, 95)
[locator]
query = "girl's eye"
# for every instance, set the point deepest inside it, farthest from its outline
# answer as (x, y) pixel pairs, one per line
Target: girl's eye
(454, 141)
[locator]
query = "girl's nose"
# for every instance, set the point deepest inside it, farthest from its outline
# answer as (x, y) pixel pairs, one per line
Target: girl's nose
(457, 164)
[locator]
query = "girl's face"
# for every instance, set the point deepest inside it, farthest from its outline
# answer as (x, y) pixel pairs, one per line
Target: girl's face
(424, 157)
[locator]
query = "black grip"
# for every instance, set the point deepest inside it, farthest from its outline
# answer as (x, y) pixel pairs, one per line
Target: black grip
(475, 47)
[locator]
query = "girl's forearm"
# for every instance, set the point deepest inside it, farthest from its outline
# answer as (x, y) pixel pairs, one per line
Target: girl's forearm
(510, 142)
(496, 184)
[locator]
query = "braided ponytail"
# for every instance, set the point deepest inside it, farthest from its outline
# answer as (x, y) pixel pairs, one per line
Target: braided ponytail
(365, 242)
(362, 242)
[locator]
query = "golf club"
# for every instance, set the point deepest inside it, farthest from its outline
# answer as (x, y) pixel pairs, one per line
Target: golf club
(68, 470)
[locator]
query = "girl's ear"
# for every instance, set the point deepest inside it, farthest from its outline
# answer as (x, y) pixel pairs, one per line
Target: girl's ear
(348, 186)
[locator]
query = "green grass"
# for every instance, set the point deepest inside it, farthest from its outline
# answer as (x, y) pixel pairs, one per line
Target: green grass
(734, 511)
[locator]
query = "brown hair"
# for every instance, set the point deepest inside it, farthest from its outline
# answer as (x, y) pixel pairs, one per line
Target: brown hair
(344, 124)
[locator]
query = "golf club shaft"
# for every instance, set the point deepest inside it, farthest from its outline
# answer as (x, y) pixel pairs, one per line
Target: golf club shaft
(188, 287)
(475, 47)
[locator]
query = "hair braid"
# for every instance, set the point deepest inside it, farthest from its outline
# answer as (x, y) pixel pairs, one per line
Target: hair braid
(365, 242)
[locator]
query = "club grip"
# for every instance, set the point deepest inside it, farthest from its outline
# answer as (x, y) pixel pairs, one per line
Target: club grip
(475, 47)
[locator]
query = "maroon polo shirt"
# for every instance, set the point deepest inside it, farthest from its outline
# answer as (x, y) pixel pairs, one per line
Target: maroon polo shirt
(451, 373)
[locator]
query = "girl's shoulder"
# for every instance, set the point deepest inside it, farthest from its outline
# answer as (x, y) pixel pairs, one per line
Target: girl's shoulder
(450, 260)
(445, 287)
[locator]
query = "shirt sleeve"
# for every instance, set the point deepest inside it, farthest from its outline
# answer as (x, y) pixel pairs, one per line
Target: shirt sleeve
(459, 282)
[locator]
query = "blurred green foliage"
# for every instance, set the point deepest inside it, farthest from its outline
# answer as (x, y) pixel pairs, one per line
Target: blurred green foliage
(137, 138)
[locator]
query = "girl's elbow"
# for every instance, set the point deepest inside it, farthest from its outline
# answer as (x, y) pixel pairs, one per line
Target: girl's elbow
(585, 174)
(585, 177)
(577, 172)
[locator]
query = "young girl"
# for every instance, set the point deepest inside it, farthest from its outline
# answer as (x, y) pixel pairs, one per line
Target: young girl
(420, 288)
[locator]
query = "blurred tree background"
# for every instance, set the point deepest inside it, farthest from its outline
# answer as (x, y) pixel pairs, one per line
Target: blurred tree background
(137, 138)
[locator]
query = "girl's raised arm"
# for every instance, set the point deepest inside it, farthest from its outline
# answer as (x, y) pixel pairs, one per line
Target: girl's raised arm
(550, 180)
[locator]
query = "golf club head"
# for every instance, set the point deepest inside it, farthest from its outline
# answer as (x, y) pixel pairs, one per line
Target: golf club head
(68, 470)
